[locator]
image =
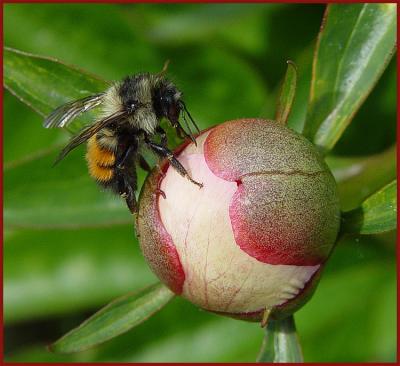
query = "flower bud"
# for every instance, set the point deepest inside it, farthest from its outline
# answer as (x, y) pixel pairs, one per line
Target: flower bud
(258, 232)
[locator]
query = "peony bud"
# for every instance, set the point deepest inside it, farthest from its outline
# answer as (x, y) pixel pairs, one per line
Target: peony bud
(258, 232)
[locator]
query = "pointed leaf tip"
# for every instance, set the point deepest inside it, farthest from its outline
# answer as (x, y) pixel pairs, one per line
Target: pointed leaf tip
(354, 46)
(287, 93)
(116, 318)
(377, 214)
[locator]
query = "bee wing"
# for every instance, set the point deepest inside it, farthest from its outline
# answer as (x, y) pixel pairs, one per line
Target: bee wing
(88, 132)
(64, 114)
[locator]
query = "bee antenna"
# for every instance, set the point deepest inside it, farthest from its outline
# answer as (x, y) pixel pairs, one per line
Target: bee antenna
(189, 115)
(190, 135)
(165, 67)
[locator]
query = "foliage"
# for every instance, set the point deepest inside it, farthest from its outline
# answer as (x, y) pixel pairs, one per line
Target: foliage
(287, 94)
(354, 46)
(377, 214)
(69, 248)
(116, 318)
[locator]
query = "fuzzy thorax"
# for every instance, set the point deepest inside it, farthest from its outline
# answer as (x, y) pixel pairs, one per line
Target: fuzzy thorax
(141, 90)
(144, 117)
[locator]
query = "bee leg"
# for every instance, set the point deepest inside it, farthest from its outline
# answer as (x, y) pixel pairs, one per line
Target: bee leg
(179, 130)
(144, 164)
(164, 152)
(163, 135)
(161, 174)
(127, 192)
(122, 159)
(164, 142)
(182, 134)
(131, 203)
(158, 189)
(127, 179)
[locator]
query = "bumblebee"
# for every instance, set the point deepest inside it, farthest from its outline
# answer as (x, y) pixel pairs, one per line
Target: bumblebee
(131, 112)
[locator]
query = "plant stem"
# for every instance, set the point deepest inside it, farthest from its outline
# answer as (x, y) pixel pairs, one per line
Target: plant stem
(281, 343)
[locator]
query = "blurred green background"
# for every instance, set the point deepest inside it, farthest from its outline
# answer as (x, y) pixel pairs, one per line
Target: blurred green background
(62, 262)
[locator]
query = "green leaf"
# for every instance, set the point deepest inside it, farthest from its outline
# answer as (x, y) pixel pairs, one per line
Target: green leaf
(58, 281)
(360, 176)
(287, 94)
(116, 318)
(44, 83)
(69, 271)
(355, 274)
(280, 343)
(377, 214)
(354, 47)
(64, 196)
(298, 112)
(359, 278)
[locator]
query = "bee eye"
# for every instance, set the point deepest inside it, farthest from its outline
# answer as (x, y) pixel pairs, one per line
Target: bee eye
(167, 97)
(131, 105)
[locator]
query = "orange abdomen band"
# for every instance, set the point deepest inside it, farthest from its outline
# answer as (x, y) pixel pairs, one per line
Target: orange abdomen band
(100, 161)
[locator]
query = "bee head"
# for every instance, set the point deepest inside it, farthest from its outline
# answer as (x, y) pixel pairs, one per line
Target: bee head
(167, 103)
(147, 98)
